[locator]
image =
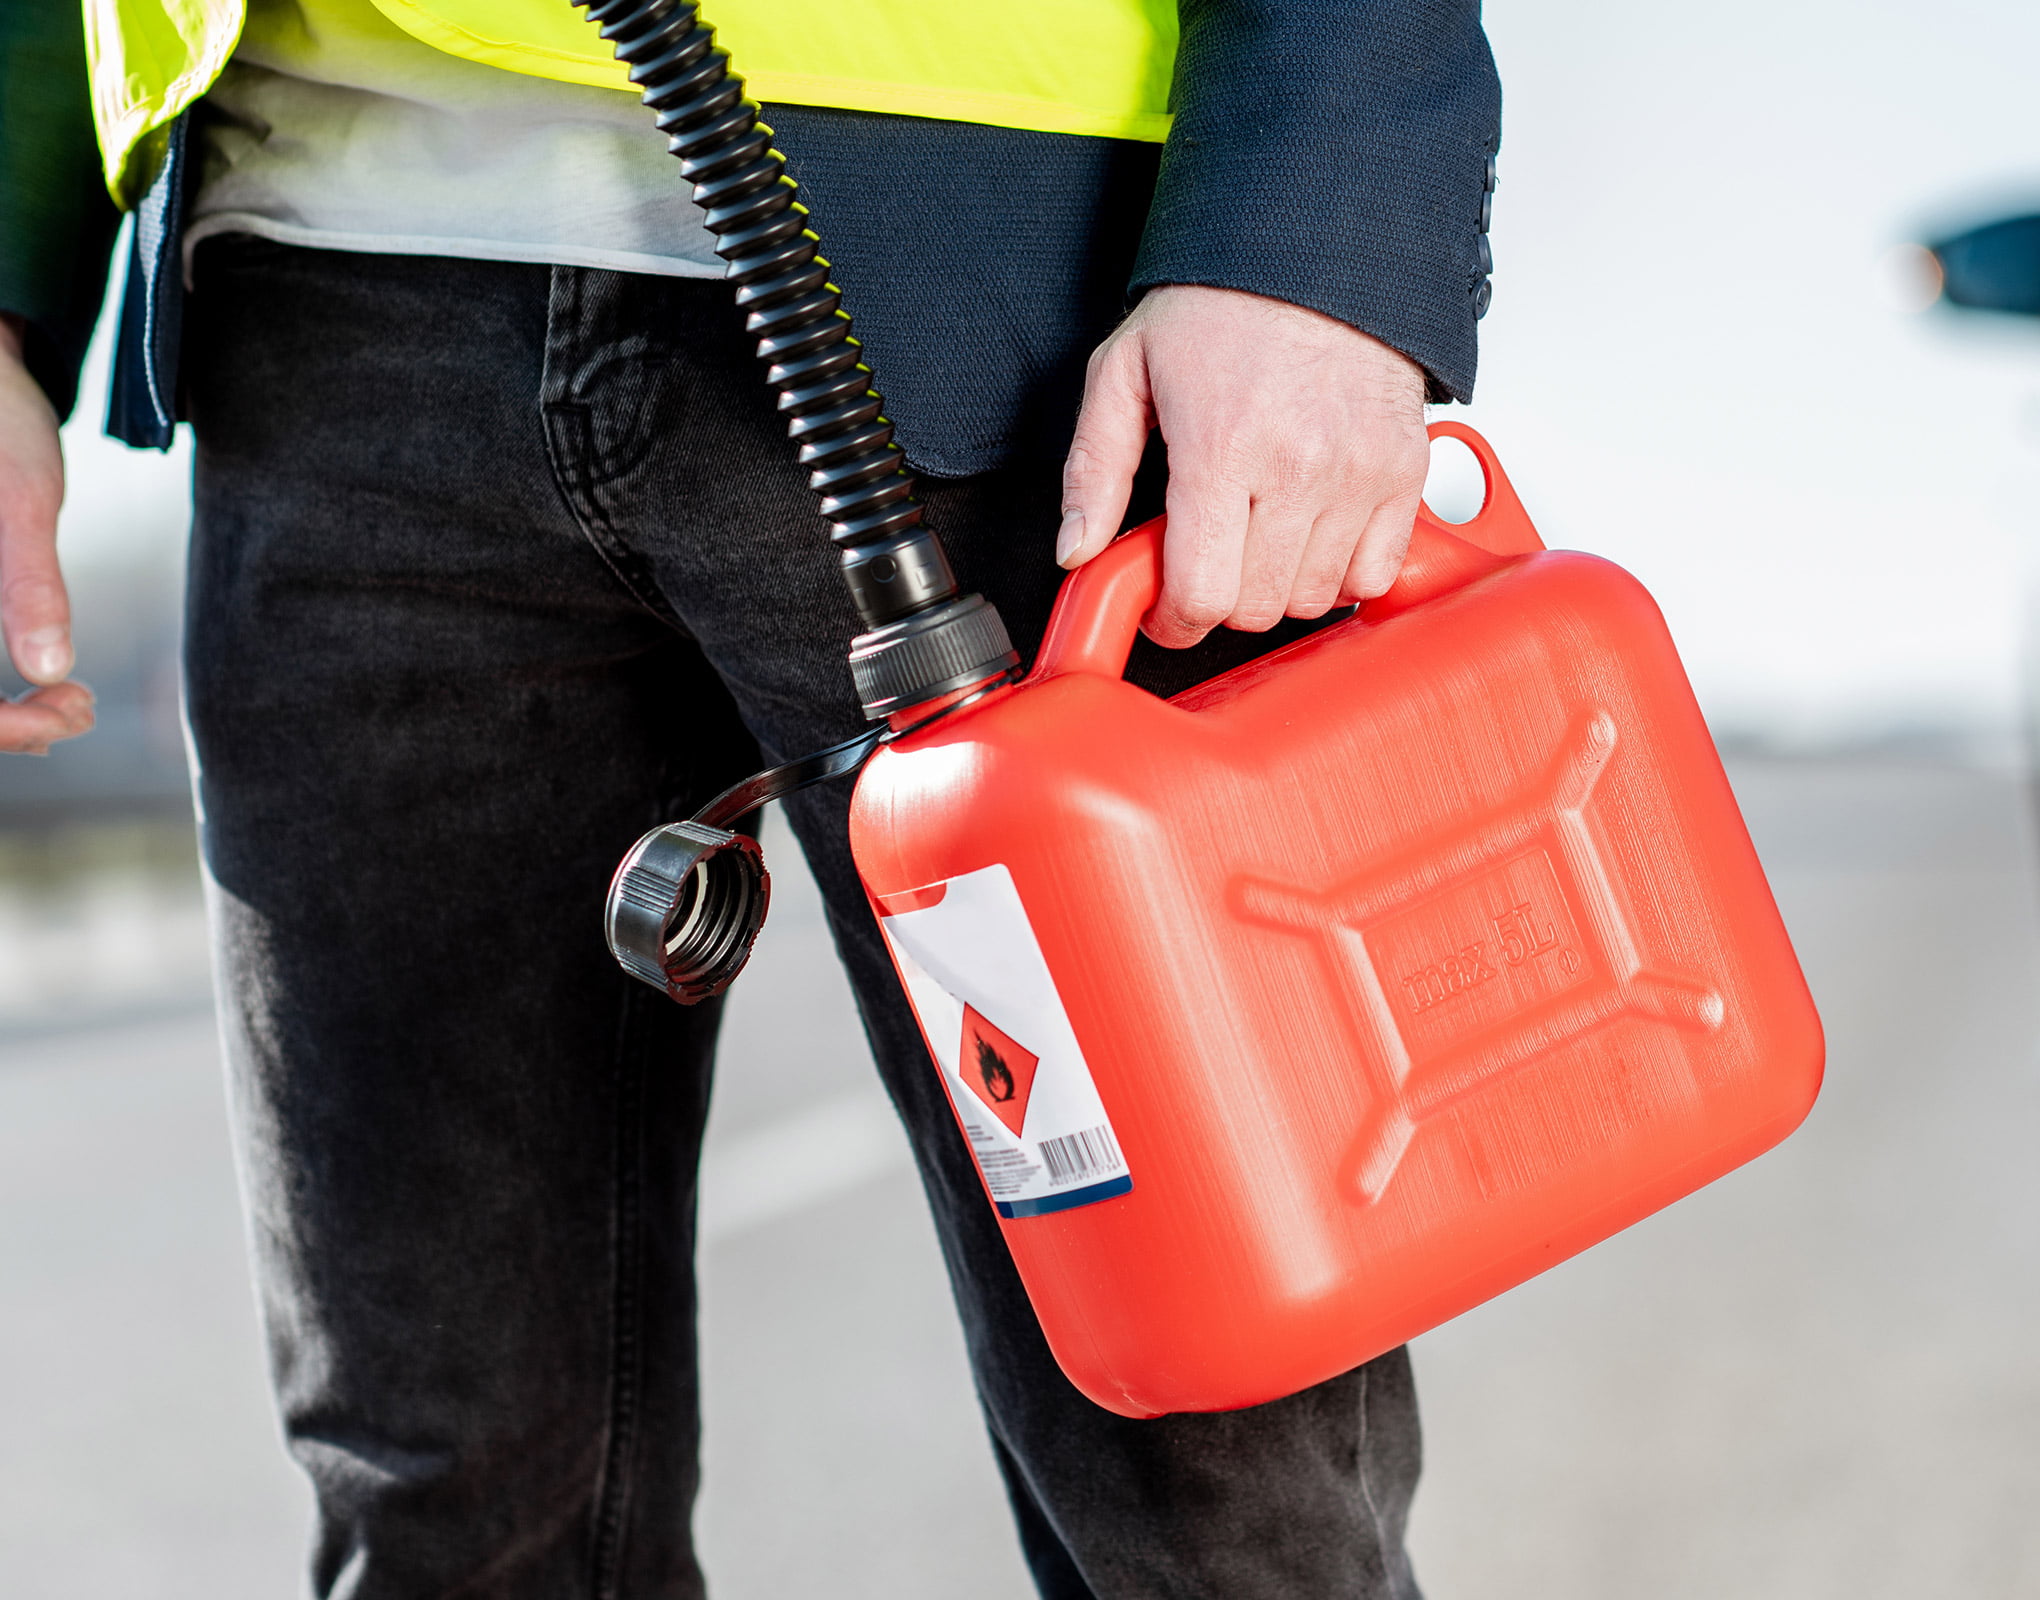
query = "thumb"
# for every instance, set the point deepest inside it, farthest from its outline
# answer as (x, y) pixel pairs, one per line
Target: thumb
(1112, 432)
(35, 612)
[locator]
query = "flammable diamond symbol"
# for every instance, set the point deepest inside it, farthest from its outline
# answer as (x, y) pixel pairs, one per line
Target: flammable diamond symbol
(998, 1070)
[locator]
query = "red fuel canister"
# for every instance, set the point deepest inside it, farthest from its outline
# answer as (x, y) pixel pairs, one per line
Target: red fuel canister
(1294, 1015)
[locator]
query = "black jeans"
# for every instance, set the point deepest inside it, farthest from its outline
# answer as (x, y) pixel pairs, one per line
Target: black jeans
(496, 566)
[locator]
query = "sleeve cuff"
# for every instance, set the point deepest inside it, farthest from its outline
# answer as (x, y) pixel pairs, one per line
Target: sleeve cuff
(1336, 156)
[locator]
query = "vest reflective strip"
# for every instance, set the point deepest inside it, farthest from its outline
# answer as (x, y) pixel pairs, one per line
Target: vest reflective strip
(1097, 67)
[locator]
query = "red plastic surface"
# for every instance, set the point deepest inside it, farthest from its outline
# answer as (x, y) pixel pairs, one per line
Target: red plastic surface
(1408, 960)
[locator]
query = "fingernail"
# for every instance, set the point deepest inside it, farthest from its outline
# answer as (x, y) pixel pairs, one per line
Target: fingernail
(1069, 538)
(46, 655)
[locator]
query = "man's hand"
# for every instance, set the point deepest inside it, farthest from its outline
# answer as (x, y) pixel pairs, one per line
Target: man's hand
(1297, 456)
(35, 613)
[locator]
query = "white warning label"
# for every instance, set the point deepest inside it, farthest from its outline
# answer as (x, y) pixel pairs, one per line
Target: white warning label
(1008, 1057)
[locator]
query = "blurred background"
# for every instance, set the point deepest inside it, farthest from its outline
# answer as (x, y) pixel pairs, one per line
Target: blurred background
(1712, 357)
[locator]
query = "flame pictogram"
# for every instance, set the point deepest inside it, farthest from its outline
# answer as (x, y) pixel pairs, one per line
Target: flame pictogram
(998, 1070)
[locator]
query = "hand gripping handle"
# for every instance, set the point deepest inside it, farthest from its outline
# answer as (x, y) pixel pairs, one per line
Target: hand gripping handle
(1102, 603)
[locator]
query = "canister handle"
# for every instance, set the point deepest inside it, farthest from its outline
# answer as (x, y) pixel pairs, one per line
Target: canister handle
(1501, 526)
(1102, 603)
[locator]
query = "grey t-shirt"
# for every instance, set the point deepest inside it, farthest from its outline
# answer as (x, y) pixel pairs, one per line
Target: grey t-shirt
(334, 128)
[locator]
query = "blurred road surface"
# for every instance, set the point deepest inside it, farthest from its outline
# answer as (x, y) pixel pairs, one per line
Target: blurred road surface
(1813, 1381)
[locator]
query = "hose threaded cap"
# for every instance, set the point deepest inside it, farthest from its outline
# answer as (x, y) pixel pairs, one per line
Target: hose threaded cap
(685, 908)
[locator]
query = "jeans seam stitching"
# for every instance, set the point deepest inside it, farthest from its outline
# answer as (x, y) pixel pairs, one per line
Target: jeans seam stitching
(641, 436)
(569, 444)
(614, 1492)
(578, 489)
(1366, 1479)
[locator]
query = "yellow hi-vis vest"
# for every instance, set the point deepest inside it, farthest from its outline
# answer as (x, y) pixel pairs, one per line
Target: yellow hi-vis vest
(1059, 66)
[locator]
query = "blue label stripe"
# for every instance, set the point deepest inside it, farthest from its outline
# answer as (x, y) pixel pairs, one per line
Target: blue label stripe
(1088, 1195)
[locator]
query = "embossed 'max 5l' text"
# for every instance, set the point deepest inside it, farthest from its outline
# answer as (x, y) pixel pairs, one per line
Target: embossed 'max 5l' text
(1518, 937)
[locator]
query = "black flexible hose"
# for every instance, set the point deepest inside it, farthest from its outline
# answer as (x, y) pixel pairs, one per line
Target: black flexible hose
(922, 640)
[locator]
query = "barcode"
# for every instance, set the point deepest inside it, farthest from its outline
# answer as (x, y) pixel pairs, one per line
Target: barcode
(1080, 1155)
